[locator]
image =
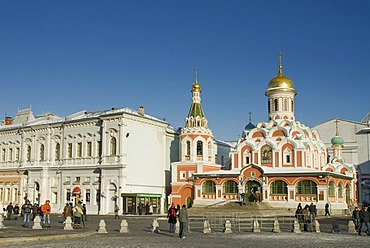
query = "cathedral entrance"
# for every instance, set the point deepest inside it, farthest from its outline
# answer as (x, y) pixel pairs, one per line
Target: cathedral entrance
(253, 191)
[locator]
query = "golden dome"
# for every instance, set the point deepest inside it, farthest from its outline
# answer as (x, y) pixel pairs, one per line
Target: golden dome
(196, 87)
(281, 83)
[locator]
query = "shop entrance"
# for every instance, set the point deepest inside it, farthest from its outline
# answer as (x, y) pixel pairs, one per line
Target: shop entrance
(139, 203)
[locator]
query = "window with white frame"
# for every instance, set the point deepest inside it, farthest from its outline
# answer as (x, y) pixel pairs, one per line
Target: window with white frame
(247, 156)
(17, 154)
(113, 146)
(79, 149)
(287, 156)
(88, 149)
(3, 155)
(28, 153)
(199, 147)
(182, 174)
(57, 151)
(42, 152)
(69, 150)
(10, 154)
(187, 148)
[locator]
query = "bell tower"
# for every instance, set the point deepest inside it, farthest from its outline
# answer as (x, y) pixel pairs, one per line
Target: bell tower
(197, 140)
(280, 93)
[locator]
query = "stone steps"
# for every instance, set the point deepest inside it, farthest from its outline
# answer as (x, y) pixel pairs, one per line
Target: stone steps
(250, 209)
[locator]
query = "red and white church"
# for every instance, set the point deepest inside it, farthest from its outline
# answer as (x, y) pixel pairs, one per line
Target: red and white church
(281, 162)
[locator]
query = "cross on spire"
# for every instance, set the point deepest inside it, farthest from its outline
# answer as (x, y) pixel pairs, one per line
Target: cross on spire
(250, 117)
(280, 56)
(196, 74)
(336, 127)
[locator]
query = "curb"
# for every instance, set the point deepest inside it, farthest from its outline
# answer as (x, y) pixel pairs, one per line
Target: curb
(47, 237)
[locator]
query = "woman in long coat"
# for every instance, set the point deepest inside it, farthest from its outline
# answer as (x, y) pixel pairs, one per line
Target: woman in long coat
(172, 218)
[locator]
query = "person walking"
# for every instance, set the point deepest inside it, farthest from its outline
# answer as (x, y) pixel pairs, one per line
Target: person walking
(172, 219)
(299, 214)
(9, 210)
(116, 209)
(67, 211)
(356, 217)
(16, 211)
(364, 220)
(46, 210)
(26, 209)
(306, 217)
(77, 214)
(312, 212)
(327, 211)
(84, 210)
(35, 210)
(183, 219)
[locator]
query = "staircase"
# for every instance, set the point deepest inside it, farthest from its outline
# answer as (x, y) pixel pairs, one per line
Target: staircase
(233, 208)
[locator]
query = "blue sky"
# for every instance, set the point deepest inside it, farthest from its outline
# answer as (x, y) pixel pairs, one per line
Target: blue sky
(67, 56)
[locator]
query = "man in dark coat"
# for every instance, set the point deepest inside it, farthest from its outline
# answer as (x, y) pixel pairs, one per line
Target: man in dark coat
(183, 218)
(9, 210)
(327, 212)
(364, 220)
(356, 217)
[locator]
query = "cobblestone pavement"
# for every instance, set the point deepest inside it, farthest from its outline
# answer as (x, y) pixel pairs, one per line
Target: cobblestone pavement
(140, 235)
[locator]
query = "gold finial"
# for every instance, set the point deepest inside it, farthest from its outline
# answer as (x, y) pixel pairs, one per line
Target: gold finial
(336, 127)
(196, 74)
(250, 117)
(280, 55)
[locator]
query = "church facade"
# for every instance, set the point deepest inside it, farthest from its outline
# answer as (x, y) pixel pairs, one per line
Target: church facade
(281, 161)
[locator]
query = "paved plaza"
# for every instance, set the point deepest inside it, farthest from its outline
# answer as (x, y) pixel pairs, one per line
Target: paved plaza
(141, 235)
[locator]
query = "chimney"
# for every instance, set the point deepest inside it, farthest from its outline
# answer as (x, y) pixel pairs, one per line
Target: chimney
(141, 110)
(8, 120)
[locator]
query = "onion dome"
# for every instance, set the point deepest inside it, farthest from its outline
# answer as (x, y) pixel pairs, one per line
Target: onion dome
(337, 141)
(196, 86)
(249, 126)
(281, 83)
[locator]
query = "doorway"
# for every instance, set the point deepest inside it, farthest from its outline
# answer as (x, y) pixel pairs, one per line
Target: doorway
(253, 191)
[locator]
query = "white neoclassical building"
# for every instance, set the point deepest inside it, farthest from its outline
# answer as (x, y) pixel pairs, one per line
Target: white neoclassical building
(119, 156)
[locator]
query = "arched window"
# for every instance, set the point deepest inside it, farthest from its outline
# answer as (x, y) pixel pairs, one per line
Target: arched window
(269, 106)
(209, 187)
(340, 190)
(230, 187)
(278, 188)
(199, 147)
(187, 148)
(42, 152)
(247, 156)
(28, 153)
(331, 189)
(276, 101)
(57, 151)
(209, 149)
(292, 105)
(306, 187)
(113, 146)
(287, 156)
(285, 104)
